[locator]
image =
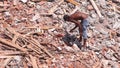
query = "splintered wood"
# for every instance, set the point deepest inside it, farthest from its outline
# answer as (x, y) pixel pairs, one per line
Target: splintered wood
(53, 8)
(96, 8)
(24, 45)
(73, 2)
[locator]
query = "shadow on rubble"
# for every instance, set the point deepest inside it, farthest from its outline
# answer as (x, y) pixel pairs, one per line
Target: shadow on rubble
(71, 39)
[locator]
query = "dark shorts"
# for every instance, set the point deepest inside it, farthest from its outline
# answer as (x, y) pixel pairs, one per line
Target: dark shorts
(85, 24)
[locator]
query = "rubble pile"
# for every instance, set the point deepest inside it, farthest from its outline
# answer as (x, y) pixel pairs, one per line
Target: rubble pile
(33, 34)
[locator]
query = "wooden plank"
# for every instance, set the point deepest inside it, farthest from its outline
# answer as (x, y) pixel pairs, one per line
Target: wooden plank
(51, 11)
(10, 29)
(8, 53)
(33, 60)
(96, 65)
(12, 44)
(1, 61)
(32, 48)
(14, 39)
(49, 27)
(73, 2)
(96, 8)
(2, 5)
(2, 10)
(5, 57)
(24, 62)
(28, 60)
(6, 62)
(32, 41)
(35, 42)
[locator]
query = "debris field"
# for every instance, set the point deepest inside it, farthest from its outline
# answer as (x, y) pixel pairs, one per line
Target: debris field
(33, 34)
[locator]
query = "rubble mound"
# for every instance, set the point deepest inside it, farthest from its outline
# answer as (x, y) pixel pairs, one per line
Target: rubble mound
(33, 34)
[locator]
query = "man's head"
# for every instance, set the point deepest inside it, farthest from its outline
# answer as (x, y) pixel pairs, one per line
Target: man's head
(66, 17)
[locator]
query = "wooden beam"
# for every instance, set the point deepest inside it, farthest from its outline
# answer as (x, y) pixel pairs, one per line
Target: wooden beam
(11, 53)
(33, 48)
(35, 42)
(12, 45)
(2, 10)
(73, 2)
(25, 64)
(96, 8)
(2, 5)
(4, 57)
(32, 41)
(33, 60)
(51, 11)
(6, 62)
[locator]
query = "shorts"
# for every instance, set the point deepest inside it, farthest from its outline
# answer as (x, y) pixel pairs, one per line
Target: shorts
(85, 24)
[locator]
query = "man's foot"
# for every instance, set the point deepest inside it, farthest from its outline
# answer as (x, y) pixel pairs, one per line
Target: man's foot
(80, 39)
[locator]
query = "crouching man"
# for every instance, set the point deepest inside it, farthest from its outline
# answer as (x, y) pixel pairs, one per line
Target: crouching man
(82, 25)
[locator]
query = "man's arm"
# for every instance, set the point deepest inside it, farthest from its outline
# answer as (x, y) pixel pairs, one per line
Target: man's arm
(73, 28)
(75, 22)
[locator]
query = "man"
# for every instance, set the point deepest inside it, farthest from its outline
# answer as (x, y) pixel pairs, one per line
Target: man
(74, 18)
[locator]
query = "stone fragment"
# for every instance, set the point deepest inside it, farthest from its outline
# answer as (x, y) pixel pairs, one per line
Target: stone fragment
(101, 20)
(90, 7)
(71, 5)
(102, 2)
(15, 2)
(69, 49)
(105, 63)
(93, 15)
(89, 34)
(116, 25)
(59, 12)
(35, 17)
(103, 31)
(24, 1)
(30, 4)
(108, 43)
(75, 47)
(115, 65)
(110, 14)
(59, 48)
(113, 59)
(118, 39)
(7, 13)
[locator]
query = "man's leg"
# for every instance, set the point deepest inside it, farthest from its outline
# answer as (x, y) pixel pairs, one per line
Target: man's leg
(80, 32)
(84, 44)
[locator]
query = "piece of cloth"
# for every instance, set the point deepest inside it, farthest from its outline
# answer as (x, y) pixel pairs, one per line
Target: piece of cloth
(85, 24)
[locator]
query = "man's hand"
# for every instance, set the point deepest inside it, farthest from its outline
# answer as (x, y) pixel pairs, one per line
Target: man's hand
(71, 31)
(73, 28)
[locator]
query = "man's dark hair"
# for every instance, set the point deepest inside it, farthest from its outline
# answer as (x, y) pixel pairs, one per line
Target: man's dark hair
(66, 17)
